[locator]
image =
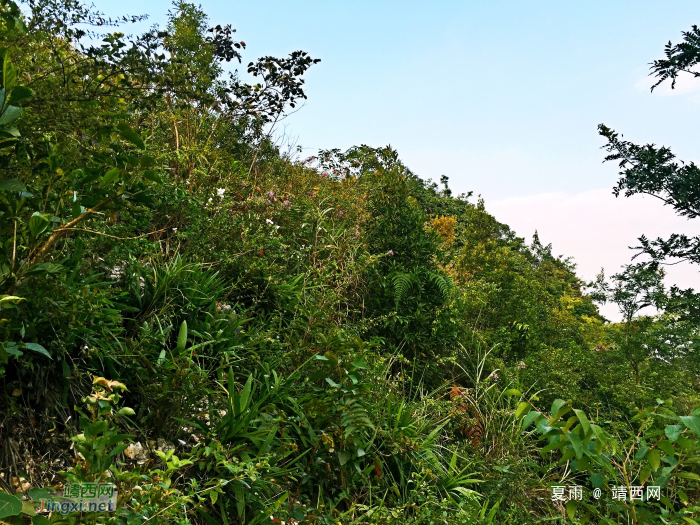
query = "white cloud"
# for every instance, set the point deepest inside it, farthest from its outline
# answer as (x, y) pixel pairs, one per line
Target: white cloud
(595, 229)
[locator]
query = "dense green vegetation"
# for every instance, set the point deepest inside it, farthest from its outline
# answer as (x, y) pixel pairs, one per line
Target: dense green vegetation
(234, 335)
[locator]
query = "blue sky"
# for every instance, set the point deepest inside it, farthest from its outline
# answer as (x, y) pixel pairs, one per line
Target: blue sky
(503, 97)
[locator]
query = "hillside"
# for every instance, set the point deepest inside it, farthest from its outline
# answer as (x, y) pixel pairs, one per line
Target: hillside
(232, 334)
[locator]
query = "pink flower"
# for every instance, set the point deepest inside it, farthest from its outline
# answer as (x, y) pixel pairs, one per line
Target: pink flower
(390, 252)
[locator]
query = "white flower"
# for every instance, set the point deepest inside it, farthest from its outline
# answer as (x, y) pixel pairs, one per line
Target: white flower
(174, 229)
(269, 221)
(221, 192)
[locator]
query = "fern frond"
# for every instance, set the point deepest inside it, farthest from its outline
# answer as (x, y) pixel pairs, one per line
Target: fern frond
(444, 284)
(355, 418)
(403, 282)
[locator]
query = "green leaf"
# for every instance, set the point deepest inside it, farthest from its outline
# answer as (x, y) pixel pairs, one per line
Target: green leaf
(65, 369)
(146, 161)
(182, 337)
(585, 424)
(130, 135)
(40, 520)
(246, 394)
(673, 432)
(28, 508)
(96, 428)
(332, 383)
(641, 453)
(684, 442)
(556, 405)
(667, 447)
(9, 73)
(45, 268)
(512, 392)
(20, 93)
(576, 443)
(599, 434)
(113, 440)
(571, 507)
(10, 114)
(532, 415)
(38, 494)
(268, 440)
(110, 177)
(11, 349)
(692, 422)
(36, 347)
(553, 446)
(118, 449)
(125, 411)
(38, 223)
(569, 423)
(654, 459)
(644, 473)
(9, 299)
(688, 475)
(143, 198)
(77, 210)
(12, 185)
(240, 500)
(152, 175)
(543, 427)
(9, 505)
(522, 407)
(666, 501)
